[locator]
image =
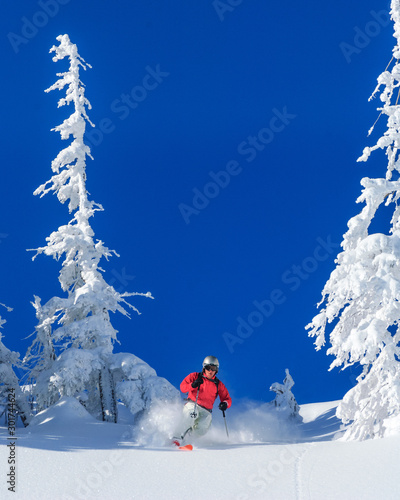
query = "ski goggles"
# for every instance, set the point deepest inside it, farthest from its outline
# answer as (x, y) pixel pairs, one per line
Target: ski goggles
(213, 368)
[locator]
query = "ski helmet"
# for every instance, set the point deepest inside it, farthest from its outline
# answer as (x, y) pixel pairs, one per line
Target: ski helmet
(211, 360)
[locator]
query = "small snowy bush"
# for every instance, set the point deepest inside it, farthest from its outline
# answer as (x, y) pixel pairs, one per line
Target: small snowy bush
(284, 399)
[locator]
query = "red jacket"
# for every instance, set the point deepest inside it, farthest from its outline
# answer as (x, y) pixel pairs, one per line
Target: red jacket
(208, 391)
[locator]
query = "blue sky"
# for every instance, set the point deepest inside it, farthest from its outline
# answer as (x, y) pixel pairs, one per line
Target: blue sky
(225, 154)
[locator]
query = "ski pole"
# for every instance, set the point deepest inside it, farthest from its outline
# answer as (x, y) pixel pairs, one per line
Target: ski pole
(194, 413)
(226, 427)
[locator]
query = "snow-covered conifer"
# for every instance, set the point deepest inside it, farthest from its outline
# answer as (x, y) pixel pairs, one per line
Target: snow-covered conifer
(40, 357)
(362, 295)
(284, 399)
(76, 329)
(9, 383)
(137, 384)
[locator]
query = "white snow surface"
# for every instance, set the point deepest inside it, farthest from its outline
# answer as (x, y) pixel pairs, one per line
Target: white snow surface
(66, 454)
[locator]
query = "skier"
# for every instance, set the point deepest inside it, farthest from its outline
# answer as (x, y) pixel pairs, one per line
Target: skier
(203, 389)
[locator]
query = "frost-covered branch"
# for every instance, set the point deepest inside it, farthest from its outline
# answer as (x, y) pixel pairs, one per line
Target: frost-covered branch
(69, 184)
(389, 96)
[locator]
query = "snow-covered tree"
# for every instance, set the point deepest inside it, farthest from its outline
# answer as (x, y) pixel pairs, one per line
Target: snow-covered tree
(40, 358)
(137, 385)
(9, 384)
(362, 296)
(72, 351)
(284, 399)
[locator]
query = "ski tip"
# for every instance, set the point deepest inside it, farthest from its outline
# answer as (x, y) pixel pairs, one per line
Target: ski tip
(187, 447)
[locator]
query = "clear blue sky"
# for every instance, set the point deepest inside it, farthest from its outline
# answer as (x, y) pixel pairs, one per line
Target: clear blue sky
(268, 99)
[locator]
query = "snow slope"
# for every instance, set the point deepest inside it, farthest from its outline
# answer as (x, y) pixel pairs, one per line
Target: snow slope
(66, 454)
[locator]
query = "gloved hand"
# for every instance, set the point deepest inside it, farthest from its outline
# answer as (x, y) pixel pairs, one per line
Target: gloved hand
(223, 405)
(197, 382)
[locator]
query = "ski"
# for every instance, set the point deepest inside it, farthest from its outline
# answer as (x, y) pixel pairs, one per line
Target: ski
(187, 447)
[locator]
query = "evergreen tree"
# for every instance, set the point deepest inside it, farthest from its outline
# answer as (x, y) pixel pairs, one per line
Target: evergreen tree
(74, 342)
(40, 357)
(361, 297)
(9, 384)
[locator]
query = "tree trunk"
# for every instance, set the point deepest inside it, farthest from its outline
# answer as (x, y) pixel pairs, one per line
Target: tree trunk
(108, 400)
(17, 405)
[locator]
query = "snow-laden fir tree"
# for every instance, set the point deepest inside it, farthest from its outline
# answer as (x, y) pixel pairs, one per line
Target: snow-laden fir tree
(40, 358)
(284, 399)
(9, 384)
(72, 352)
(362, 296)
